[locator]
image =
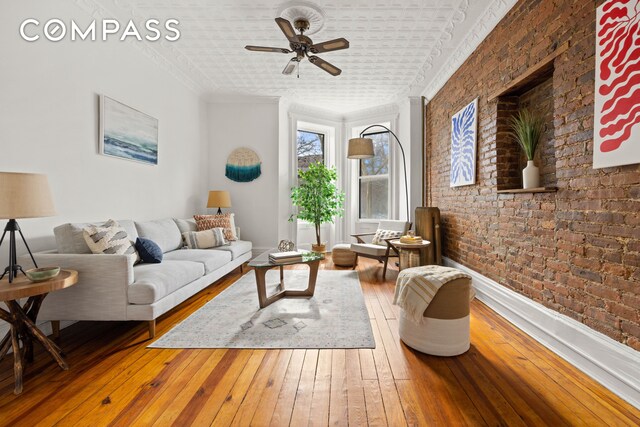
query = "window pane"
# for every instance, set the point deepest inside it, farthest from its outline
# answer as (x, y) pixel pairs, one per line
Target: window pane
(374, 200)
(379, 164)
(310, 148)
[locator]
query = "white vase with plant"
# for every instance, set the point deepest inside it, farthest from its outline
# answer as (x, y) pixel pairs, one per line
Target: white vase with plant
(526, 129)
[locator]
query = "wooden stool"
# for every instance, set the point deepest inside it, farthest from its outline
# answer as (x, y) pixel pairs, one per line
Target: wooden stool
(343, 256)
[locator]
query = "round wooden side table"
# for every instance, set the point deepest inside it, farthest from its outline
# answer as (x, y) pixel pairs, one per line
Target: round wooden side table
(409, 253)
(23, 319)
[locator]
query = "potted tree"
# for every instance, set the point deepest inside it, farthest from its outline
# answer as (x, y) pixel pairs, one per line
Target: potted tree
(317, 198)
(526, 129)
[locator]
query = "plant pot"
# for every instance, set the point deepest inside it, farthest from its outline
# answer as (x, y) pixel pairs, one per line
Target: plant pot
(530, 176)
(319, 248)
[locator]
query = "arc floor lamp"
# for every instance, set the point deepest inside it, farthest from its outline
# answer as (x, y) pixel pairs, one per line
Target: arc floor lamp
(362, 148)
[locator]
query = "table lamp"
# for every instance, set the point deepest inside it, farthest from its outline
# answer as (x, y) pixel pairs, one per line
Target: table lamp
(219, 199)
(22, 195)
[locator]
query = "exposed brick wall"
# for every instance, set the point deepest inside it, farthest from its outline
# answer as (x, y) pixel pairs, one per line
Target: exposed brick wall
(577, 251)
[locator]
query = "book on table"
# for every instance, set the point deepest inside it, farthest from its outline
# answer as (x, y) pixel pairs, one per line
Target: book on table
(288, 256)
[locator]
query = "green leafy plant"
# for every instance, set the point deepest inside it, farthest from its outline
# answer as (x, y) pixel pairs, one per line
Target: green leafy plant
(526, 129)
(316, 196)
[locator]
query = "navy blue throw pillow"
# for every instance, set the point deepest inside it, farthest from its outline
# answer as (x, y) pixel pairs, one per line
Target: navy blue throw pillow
(149, 251)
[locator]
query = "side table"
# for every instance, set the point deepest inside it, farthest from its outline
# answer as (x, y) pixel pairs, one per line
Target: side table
(23, 319)
(409, 252)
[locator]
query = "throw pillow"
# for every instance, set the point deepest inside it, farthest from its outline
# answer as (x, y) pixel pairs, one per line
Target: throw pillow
(149, 251)
(378, 238)
(108, 238)
(205, 239)
(225, 221)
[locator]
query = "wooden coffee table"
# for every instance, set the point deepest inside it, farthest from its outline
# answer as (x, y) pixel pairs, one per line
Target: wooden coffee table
(23, 319)
(261, 264)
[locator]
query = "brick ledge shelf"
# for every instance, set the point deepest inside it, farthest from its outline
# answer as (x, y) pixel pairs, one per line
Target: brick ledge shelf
(529, 190)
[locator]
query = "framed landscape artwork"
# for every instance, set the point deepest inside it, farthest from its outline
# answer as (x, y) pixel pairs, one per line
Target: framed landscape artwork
(127, 133)
(464, 136)
(616, 135)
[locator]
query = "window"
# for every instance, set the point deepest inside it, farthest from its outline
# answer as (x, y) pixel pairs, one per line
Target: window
(374, 179)
(310, 148)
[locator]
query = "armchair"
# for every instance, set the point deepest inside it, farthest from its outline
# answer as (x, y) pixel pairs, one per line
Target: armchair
(387, 230)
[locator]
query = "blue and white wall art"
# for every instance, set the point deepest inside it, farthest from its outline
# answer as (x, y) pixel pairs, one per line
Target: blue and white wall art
(127, 133)
(464, 136)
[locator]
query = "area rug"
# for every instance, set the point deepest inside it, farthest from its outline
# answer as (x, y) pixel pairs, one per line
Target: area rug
(335, 317)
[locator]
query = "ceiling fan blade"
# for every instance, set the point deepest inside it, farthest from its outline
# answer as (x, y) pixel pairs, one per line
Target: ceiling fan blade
(330, 45)
(329, 68)
(291, 65)
(267, 49)
(288, 30)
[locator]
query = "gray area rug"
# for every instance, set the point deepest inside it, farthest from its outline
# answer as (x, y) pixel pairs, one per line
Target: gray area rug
(335, 317)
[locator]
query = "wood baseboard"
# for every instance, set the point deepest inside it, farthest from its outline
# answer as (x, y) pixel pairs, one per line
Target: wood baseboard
(612, 364)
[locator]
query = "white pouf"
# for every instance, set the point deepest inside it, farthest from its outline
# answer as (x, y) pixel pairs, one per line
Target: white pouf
(445, 326)
(439, 337)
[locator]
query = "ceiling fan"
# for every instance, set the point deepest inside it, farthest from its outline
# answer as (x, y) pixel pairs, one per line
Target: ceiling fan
(302, 45)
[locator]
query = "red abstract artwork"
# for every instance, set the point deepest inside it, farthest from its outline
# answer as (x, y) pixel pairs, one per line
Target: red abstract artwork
(617, 112)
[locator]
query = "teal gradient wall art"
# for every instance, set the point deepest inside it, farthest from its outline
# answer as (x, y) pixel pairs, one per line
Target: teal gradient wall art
(243, 165)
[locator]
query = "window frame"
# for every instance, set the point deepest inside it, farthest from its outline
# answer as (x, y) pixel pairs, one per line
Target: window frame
(379, 177)
(324, 146)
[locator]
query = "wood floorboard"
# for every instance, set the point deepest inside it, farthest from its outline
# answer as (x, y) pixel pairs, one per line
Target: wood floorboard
(505, 379)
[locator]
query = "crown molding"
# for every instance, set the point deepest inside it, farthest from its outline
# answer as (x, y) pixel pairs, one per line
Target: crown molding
(239, 98)
(388, 110)
(312, 111)
(476, 34)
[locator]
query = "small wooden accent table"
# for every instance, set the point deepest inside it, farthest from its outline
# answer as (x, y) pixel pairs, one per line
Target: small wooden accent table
(409, 253)
(23, 319)
(261, 264)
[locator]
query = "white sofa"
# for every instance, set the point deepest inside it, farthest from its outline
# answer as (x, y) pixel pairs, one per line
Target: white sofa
(111, 287)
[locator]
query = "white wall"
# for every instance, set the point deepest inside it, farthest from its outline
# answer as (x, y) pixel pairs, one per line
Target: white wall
(253, 123)
(410, 133)
(49, 119)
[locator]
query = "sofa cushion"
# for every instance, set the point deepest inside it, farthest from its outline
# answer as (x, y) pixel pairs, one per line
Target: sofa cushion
(185, 225)
(148, 250)
(70, 240)
(153, 282)
(164, 232)
(369, 249)
(237, 248)
(205, 239)
(226, 221)
(212, 260)
(108, 238)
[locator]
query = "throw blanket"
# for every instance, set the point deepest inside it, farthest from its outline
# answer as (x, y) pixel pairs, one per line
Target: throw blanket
(417, 286)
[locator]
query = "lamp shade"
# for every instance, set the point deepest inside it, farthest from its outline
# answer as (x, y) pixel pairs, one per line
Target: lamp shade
(25, 195)
(219, 199)
(360, 148)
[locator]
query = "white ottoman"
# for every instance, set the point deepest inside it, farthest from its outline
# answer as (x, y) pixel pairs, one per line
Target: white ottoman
(444, 330)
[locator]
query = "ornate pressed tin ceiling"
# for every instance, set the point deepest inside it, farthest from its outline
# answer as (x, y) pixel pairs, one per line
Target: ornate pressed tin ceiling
(398, 48)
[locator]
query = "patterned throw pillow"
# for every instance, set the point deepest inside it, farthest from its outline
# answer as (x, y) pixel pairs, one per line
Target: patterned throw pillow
(109, 238)
(225, 221)
(205, 239)
(378, 238)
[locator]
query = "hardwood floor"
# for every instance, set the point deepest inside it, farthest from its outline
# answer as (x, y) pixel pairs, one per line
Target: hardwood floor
(506, 378)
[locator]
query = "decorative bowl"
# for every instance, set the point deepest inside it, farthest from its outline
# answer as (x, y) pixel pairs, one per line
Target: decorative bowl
(42, 274)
